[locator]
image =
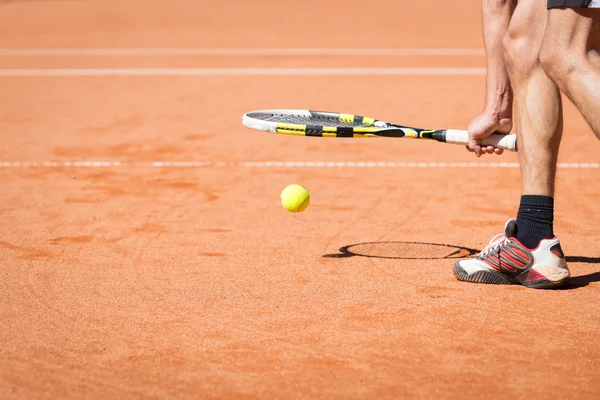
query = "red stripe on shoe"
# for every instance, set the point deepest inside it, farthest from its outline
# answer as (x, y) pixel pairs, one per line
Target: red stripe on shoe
(498, 264)
(495, 266)
(507, 266)
(510, 257)
(522, 254)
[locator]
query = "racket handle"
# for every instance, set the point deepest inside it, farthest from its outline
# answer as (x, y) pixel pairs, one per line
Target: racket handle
(499, 140)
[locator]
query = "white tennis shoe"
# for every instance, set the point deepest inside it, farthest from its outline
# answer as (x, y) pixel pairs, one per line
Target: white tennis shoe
(506, 261)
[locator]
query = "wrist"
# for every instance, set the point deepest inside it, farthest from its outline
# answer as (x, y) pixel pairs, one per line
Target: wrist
(499, 106)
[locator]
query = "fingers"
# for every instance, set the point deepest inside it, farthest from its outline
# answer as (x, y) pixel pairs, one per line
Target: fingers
(482, 127)
(488, 149)
(477, 131)
(491, 150)
(484, 150)
(474, 146)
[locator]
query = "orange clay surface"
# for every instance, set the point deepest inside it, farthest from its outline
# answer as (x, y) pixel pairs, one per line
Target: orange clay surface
(133, 280)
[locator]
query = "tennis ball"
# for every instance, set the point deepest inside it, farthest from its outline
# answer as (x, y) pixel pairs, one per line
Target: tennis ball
(295, 198)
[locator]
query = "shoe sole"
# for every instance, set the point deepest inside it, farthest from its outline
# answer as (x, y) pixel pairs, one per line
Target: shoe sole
(560, 276)
(488, 277)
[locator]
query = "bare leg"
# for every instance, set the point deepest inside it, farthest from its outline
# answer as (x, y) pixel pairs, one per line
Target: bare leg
(570, 57)
(538, 118)
(537, 104)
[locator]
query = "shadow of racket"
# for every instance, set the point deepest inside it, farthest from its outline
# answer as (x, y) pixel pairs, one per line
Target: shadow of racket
(404, 251)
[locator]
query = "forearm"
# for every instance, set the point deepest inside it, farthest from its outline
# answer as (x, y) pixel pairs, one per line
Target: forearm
(496, 16)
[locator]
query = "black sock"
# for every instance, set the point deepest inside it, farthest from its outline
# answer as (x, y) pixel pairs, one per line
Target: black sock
(534, 220)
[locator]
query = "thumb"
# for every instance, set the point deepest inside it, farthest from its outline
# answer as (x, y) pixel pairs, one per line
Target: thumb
(504, 125)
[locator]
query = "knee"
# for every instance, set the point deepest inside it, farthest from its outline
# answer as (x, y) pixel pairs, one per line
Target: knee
(523, 39)
(521, 52)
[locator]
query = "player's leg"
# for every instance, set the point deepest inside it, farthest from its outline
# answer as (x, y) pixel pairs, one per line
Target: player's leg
(528, 253)
(538, 108)
(570, 55)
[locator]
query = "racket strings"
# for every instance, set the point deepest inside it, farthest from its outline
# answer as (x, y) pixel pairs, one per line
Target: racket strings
(316, 120)
(408, 250)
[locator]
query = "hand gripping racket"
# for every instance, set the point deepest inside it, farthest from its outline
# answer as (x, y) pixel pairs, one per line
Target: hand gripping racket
(329, 124)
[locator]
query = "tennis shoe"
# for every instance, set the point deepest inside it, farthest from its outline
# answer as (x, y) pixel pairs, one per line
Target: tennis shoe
(506, 261)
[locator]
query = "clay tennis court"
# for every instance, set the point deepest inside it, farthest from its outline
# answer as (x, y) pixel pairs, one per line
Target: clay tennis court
(144, 252)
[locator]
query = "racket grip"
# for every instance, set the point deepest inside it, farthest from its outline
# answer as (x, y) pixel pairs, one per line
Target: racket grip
(499, 140)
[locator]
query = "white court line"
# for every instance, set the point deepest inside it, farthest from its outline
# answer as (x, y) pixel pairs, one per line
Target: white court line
(279, 164)
(238, 71)
(56, 164)
(243, 52)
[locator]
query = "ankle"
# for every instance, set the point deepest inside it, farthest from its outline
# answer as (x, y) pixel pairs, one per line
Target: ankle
(535, 220)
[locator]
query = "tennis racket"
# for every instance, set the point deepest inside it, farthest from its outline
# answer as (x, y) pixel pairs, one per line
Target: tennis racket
(330, 124)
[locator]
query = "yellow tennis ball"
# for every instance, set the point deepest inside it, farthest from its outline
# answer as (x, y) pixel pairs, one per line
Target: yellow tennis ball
(295, 198)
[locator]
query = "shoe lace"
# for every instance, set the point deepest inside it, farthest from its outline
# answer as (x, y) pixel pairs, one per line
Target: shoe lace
(494, 245)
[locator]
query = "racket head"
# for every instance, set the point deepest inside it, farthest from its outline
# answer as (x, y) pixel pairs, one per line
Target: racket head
(313, 123)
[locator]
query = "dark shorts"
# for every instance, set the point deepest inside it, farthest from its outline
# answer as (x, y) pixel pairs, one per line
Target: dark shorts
(574, 3)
